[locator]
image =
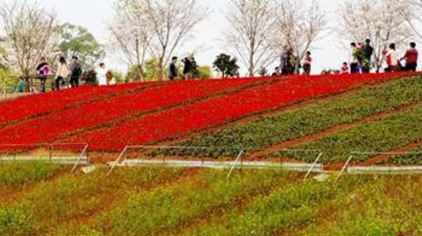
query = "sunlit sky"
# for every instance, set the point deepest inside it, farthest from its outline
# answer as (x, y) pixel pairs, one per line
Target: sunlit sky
(206, 43)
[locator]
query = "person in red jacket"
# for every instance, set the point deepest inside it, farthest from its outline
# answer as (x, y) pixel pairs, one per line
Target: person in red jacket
(411, 58)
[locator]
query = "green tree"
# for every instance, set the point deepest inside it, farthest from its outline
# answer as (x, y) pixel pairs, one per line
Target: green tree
(78, 41)
(226, 65)
(203, 72)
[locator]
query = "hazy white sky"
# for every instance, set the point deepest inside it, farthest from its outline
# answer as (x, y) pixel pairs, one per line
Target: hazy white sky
(94, 14)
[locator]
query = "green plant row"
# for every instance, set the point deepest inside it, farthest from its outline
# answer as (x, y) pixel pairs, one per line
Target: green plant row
(381, 208)
(312, 118)
(167, 209)
(53, 203)
(414, 158)
(377, 136)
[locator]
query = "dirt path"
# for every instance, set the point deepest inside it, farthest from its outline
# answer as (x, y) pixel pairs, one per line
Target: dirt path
(328, 132)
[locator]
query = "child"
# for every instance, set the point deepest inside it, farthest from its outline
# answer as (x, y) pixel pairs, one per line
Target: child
(344, 70)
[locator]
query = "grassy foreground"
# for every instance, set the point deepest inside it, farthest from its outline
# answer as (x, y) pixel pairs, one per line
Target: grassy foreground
(156, 201)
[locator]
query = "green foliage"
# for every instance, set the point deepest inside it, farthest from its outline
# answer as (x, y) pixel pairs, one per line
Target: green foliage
(15, 175)
(414, 158)
(203, 72)
(15, 220)
(89, 76)
(226, 65)
(263, 133)
(78, 41)
(72, 197)
(378, 136)
(184, 202)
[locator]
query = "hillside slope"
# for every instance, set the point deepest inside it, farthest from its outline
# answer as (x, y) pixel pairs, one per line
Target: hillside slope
(111, 117)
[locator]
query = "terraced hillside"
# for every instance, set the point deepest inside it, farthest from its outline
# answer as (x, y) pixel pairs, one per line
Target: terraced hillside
(261, 116)
(363, 116)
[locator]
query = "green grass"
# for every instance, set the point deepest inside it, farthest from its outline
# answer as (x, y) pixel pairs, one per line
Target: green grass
(388, 206)
(266, 132)
(156, 201)
(18, 175)
(377, 136)
(185, 203)
(73, 197)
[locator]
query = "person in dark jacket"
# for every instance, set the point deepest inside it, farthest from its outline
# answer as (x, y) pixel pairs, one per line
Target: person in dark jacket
(173, 69)
(189, 67)
(368, 51)
(75, 72)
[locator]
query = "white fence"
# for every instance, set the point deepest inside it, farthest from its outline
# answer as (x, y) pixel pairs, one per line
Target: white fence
(51, 153)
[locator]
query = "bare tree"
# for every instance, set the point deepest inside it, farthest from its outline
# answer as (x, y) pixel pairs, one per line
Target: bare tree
(382, 21)
(298, 26)
(29, 32)
(164, 25)
(130, 36)
(251, 26)
(414, 17)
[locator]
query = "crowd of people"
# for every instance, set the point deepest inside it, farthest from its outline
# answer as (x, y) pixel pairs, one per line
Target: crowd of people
(362, 60)
(189, 68)
(69, 75)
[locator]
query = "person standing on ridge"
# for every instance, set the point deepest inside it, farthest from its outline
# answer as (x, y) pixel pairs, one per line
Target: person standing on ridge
(102, 75)
(391, 58)
(411, 57)
(62, 73)
(368, 51)
(75, 72)
(173, 69)
(189, 67)
(307, 63)
(43, 70)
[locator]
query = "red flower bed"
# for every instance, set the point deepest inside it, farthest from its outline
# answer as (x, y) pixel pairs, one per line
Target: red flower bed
(57, 125)
(33, 105)
(201, 115)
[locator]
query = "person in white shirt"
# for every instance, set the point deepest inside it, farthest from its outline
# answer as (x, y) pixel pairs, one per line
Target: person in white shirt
(392, 58)
(102, 75)
(62, 73)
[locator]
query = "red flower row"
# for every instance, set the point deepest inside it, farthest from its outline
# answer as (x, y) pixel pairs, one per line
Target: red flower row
(58, 125)
(30, 106)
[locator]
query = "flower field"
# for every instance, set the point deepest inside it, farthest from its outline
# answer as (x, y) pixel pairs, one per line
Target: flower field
(201, 115)
(110, 118)
(337, 115)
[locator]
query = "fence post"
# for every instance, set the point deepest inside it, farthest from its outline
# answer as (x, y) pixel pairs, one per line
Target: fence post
(235, 163)
(123, 153)
(344, 168)
(313, 166)
(79, 159)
